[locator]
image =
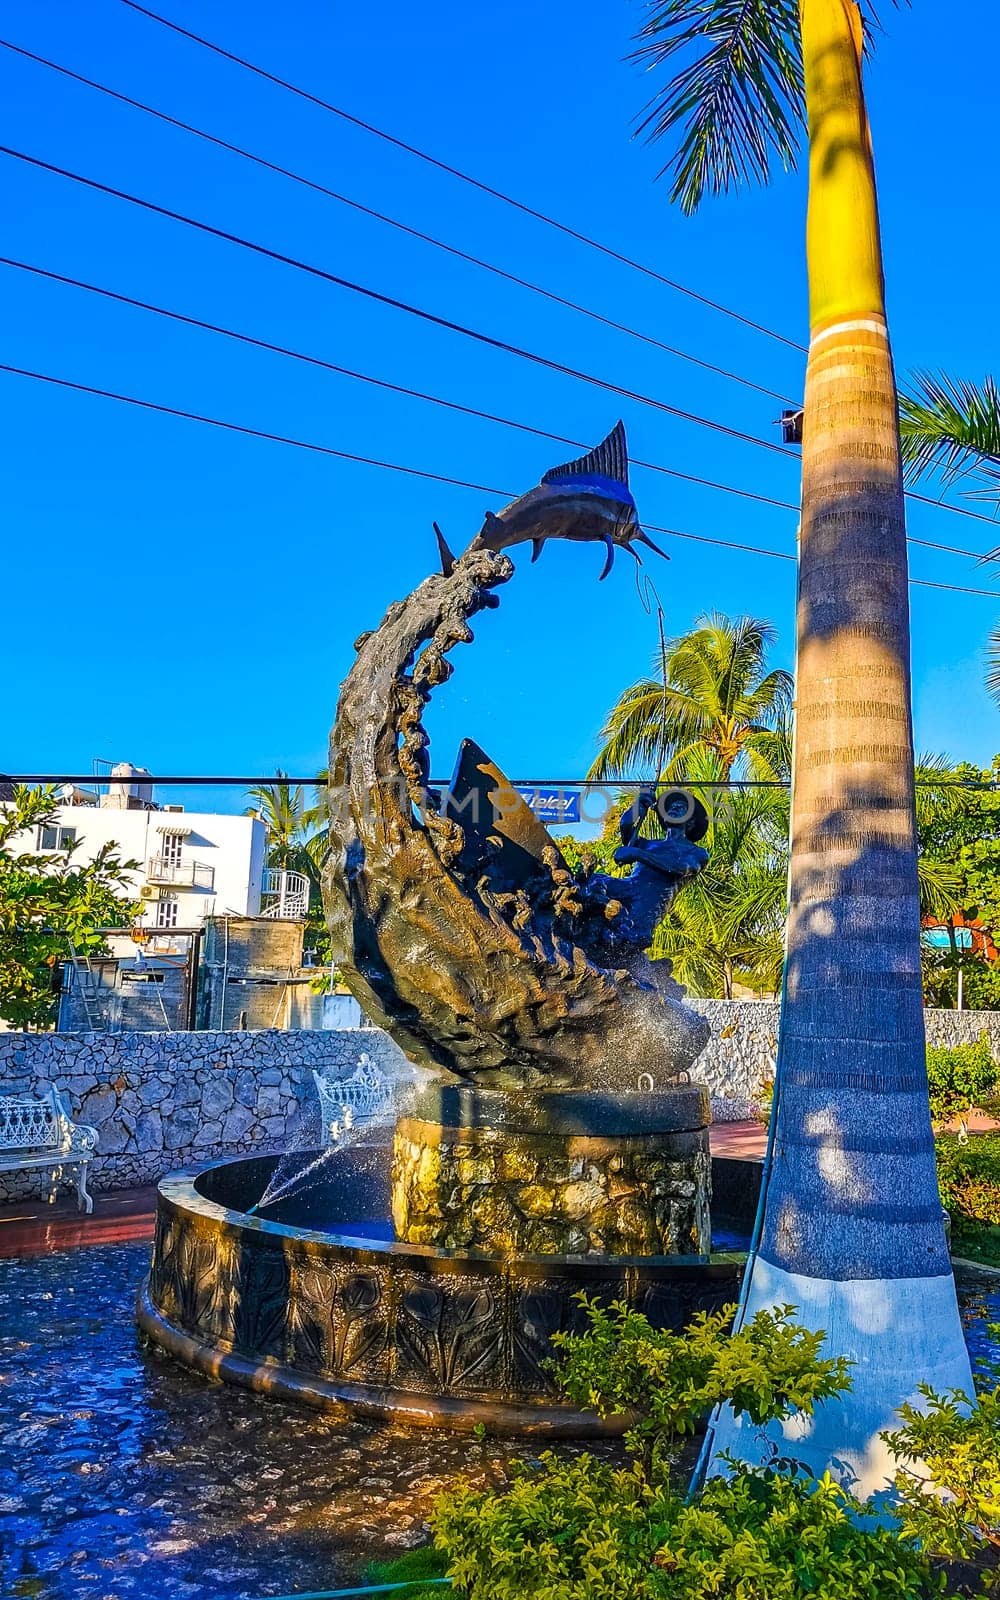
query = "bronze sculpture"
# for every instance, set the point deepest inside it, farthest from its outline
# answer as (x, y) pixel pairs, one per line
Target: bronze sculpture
(457, 923)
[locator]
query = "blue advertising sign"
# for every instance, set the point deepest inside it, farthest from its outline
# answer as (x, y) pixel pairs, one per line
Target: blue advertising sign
(553, 805)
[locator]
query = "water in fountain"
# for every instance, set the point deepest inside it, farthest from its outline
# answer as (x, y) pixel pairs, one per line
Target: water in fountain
(377, 1108)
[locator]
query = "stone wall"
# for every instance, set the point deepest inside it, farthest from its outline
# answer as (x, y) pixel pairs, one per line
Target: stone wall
(739, 1056)
(164, 1101)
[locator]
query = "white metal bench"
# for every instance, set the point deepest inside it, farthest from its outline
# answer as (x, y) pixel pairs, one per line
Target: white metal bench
(353, 1102)
(41, 1133)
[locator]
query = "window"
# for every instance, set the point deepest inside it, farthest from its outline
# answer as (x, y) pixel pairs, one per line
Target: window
(166, 913)
(170, 850)
(54, 838)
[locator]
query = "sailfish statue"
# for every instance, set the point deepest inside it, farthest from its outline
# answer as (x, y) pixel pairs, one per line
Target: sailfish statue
(588, 499)
(455, 919)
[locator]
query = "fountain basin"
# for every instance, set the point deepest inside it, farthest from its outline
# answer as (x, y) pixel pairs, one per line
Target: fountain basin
(309, 1302)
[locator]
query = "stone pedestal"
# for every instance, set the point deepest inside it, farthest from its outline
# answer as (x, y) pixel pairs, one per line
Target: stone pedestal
(558, 1173)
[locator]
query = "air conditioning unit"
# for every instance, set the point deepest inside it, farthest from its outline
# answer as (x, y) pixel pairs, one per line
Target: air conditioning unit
(149, 891)
(172, 808)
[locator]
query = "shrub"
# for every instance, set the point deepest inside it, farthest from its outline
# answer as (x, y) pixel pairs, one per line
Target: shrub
(581, 1529)
(769, 1369)
(969, 1179)
(958, 1450)
(960, 1079)
(587, 1530)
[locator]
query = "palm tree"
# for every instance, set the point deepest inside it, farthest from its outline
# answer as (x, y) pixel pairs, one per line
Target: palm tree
(852, 1231)
(726, 925)
(712, 693)
(281, 807)
(951, 429)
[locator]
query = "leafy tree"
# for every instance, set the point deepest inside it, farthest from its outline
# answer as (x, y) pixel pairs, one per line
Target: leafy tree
(742, 76)
(713, 692)
(959, 829)
(50, 905)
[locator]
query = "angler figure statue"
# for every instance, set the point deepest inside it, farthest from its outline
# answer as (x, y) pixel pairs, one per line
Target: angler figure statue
(456, 922)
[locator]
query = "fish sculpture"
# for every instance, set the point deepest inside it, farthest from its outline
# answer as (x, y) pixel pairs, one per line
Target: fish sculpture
(455, 920)
(588, 499)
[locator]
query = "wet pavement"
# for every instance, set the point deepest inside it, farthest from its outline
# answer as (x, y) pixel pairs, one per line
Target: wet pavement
(123, 1475)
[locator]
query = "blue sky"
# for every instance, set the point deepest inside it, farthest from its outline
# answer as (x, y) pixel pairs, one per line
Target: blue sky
(188, 599)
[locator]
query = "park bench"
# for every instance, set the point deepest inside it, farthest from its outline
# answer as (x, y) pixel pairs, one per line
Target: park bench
(363, 1098)
(41, 1133)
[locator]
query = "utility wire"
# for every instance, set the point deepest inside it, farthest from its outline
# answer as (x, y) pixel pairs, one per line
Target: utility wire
(432, 399)
(465, 177)
(399, 305)
(314, 779)
(393, 222)
(413, 472)
(384, 383)
(455, 327)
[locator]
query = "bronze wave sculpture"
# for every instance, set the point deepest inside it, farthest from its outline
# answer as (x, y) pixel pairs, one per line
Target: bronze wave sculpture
(456, 921)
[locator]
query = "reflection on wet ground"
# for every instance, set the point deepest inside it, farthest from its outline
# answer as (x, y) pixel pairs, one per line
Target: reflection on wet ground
(123, 1475)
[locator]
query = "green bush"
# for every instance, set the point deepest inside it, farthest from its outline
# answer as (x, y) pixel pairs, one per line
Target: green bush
(769, 1369)
(412, 1568)
(581, 1530)
(969, 1180)
(587, 1530)
(960, 1079)
(958, 1451)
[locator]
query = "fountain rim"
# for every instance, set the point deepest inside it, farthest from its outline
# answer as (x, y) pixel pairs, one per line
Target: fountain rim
(179, 1189)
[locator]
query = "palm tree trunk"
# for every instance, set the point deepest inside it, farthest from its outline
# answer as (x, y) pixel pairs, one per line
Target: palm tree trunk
(853, 1232)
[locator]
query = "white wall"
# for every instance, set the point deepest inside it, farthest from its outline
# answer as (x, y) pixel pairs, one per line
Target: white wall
(234, 847)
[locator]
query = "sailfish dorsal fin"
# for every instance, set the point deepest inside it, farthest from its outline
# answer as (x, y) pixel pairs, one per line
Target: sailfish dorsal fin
(609, 459)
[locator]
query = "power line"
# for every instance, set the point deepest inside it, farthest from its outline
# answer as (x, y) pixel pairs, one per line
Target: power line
(381, 383)
(314, 780)
(432, 399)
(398, 305)
(413, 472)
(393, 222)
(465, 177)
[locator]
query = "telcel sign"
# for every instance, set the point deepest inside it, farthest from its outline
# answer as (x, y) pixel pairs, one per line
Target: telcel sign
(553, 805)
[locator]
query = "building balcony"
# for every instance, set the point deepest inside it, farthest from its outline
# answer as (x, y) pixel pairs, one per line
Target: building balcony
(180, 874)
(286, 894)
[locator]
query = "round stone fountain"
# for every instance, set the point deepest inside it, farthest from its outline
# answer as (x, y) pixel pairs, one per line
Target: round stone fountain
(318, 1299)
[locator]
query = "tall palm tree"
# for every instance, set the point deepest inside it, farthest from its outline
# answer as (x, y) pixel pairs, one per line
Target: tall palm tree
(726, 925)
(711, 692)
(951, 429)
(852, 1231)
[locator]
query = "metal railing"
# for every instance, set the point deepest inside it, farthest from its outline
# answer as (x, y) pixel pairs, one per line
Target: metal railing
(286, 893)
(180, 874)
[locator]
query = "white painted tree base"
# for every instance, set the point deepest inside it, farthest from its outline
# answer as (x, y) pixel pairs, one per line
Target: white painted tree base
(898, 1332)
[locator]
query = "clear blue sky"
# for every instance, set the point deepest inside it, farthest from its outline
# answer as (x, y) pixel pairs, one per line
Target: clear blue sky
(188, 600)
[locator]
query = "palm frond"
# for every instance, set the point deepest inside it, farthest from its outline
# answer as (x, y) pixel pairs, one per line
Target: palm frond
(737, 98)
(993, 664)
(951, 428)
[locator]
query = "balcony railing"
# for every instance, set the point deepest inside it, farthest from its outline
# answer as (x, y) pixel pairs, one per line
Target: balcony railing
(180, 874)
(286, 893)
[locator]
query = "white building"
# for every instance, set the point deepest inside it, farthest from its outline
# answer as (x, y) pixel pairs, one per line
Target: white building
(189, 864)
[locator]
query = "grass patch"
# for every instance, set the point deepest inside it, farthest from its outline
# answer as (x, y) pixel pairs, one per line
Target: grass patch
(413, 1567)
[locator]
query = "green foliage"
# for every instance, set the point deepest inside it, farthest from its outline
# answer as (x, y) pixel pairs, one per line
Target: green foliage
(297, 833)
(958, 1449)
(960, 1079)
(958, 828)
(49, 903)
(951, 428)
(411, 1568)
(767, 1370)
(726, 925)
(718, 697)
(969, 1180)
(572, 1530)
